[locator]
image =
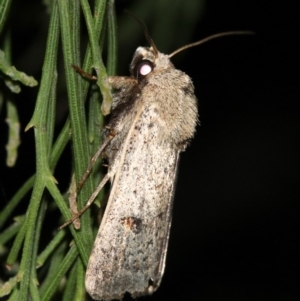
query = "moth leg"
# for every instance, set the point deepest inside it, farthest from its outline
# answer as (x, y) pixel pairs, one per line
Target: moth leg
(73, 194)
(83, 73)
(89, 202)
(119, 82)
(95, 157)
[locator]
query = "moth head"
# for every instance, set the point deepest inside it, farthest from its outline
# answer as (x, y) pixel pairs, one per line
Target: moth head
(146, 60)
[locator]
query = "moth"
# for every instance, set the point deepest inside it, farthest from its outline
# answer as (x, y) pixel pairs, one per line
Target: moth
(154, 116)
(153, 119)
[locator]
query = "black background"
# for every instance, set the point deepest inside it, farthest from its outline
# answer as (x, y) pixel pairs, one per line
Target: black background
(235, 222)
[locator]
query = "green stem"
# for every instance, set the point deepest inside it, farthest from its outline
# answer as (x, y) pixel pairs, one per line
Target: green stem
(4, 10)
(7, 211)
(64, 267)
(97, 60)
(77, 118)
(112, 39)
(43, 171)
(70, 289)
(12, 230)
(57, 240)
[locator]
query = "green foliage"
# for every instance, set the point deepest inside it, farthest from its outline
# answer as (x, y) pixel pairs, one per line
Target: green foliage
(58, 270)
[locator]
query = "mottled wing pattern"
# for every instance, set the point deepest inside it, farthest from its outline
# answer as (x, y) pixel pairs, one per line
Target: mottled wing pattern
(133, 237)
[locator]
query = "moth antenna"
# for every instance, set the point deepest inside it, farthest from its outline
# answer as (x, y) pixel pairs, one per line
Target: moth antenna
(215, 36)
(147, 35)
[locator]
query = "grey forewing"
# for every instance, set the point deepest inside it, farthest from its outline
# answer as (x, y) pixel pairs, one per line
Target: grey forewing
(132, 239)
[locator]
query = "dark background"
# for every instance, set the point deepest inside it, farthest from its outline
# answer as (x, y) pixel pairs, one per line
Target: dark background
(235, 223)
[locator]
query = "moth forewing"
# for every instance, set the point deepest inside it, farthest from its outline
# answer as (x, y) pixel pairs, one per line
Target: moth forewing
(154, 116)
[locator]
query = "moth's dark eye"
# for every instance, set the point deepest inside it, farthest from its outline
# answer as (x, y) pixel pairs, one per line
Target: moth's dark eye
(144, 68)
